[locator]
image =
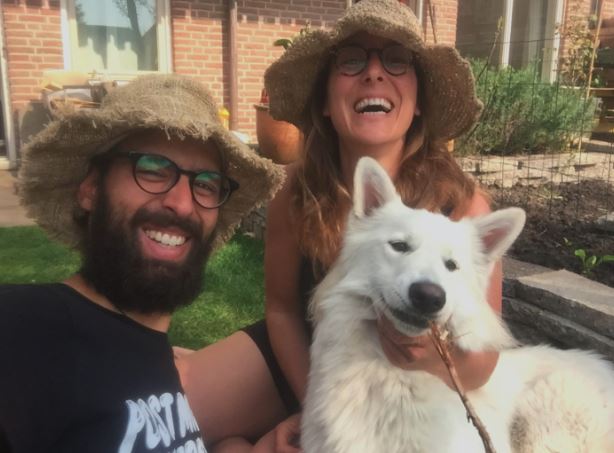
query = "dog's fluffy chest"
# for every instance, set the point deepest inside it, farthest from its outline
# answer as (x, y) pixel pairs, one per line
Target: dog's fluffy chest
(364, 404)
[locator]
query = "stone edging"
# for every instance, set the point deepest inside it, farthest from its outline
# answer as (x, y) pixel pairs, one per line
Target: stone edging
(558, 307)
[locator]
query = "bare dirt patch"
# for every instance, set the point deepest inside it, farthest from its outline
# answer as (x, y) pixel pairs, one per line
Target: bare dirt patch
(561, 218)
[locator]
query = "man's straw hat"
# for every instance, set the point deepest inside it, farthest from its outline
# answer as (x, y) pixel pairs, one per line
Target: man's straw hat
(57, 160)
(450, 105)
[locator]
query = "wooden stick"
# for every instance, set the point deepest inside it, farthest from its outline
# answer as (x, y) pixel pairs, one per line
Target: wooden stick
(444, 352)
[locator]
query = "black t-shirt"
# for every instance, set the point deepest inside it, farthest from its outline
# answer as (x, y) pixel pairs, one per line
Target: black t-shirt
(75, 377)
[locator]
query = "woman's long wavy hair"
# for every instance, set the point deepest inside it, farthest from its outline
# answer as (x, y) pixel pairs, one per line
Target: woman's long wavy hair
(429, 178)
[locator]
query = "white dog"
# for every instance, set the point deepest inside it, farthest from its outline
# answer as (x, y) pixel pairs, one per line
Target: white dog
(414, 267)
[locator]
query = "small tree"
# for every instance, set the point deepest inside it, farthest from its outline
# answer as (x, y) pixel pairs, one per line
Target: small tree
(578, 37)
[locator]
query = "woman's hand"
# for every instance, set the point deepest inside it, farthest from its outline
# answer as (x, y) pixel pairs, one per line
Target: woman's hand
(287, 435)
(419, 353)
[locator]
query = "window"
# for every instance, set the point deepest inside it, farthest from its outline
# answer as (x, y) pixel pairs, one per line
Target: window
(117, 36)
(528, 34)
(416, 6)
(526, 31)
(477, 26)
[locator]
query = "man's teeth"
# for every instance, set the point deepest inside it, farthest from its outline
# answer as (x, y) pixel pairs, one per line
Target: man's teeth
(165, 238)
(373, 105)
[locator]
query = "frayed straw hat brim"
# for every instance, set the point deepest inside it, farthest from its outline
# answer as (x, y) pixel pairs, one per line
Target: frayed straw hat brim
(57, 160)
(450, 102)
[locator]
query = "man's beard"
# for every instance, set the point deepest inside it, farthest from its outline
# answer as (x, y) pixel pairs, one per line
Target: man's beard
(114, 265)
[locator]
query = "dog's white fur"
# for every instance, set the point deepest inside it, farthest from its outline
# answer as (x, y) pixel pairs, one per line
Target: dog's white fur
(538, 399)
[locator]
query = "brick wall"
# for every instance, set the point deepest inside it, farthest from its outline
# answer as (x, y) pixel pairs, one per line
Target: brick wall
(260, 24)
(199, 39)
(33, 42)
(443, 14)
(200, 47)
(199, 35)
(583, 8)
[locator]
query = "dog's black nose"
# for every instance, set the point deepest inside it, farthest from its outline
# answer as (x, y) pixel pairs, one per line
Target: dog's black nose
(427, 297)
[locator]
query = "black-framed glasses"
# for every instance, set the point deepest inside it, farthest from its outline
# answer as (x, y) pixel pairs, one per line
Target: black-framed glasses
(157, 174)
(352, 59)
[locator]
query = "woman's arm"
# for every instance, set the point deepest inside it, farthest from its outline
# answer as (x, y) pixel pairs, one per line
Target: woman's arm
(284, 314)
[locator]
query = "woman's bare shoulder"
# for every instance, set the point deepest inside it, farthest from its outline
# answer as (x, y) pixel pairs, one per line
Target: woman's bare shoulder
(478, 205)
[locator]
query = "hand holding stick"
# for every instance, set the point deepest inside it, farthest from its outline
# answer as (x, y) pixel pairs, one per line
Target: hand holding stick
(439, 340)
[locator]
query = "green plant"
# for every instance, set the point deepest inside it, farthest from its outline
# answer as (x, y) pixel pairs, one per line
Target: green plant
(578, 37)
(523, 114)
(589, 262)
(286, 43)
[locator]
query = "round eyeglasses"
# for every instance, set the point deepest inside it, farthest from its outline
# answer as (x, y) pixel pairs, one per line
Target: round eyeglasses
(156, 174)
(351, 60)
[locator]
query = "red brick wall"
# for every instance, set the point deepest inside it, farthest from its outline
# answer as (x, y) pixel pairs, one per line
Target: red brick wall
(443, 14)
(200, 47)
(33, 44)
(582, 8)
(199, 40)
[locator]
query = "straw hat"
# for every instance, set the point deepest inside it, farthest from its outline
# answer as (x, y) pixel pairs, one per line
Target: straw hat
(450, 104)
(56, 161)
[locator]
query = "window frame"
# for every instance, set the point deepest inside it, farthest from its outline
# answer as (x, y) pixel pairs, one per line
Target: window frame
(550, 63)
(163, 32)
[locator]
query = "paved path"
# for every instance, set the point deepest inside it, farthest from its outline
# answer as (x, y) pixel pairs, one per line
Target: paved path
(11, 212)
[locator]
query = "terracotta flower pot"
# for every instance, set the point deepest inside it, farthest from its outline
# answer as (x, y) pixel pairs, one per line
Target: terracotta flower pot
(280, 141)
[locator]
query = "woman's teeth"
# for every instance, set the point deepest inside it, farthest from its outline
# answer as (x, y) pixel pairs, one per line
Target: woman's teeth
(373, 105)
(165, 238)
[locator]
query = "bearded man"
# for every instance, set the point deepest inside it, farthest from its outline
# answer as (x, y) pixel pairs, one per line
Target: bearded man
(145, 187)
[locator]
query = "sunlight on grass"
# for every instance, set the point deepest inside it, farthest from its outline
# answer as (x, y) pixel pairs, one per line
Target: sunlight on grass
(28, 256)
(233, 291)
(233, 296)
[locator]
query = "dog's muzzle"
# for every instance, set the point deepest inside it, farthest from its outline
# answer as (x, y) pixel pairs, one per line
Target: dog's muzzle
(426, 300)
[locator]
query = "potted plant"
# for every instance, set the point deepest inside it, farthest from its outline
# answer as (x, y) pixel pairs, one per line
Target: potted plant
(280, 141)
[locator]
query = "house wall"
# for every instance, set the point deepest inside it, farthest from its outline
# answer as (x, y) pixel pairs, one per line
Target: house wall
(199, 46)
(199, 42)
(444, 14)
(33, 41)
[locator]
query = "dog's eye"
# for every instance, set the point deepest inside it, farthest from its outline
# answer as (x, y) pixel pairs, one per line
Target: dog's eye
(400, 246)
(451, 265)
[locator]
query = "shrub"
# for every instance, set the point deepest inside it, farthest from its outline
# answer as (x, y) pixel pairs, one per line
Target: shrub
(523, 114)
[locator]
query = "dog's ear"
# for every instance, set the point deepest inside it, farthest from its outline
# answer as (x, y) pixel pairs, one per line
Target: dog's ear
(372, 187)
(498, 230)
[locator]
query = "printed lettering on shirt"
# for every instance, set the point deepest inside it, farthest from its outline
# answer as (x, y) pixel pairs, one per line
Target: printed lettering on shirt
(161, 421)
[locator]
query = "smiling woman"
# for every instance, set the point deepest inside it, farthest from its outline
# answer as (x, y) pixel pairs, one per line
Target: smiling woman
(370, 86)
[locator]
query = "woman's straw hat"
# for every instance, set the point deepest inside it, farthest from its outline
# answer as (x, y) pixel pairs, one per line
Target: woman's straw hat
(450, 105)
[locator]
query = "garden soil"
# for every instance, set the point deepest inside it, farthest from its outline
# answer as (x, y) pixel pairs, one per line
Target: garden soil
(560, 220)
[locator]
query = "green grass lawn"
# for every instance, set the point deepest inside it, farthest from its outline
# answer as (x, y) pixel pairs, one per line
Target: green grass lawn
(232, 298)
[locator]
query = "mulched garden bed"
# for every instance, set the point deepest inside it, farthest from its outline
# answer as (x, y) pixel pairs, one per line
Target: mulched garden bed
(561, 219)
